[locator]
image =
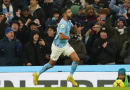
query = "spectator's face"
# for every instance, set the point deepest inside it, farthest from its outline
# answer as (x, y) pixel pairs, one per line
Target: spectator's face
(102, 17)
(33, 27)
(6, 2)
(56, 15)
(121, 76)
(50, 32)
(120, 24)
(25, 13)
(96, 28)
(1, 18)
(90, 12)
(35, 37)
(103, 35)
(33, 2)
(15, 27)
(69, 14)
(127, 3)
(10, 35)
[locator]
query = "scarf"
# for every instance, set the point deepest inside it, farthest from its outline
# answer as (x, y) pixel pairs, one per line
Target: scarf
(121, 31)
(5, 11)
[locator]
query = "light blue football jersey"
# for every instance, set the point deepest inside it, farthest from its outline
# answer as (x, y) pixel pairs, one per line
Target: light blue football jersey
(65, 28)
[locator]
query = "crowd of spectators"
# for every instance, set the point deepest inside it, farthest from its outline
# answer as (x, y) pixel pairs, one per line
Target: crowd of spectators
(28, 27)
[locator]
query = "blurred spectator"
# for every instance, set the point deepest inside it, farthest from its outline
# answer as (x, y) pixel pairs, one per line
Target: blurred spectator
(86, 3)
(91, 17)
(24, 15)
(60, 4)
(128, 14)
(47, 6)
(103, 15)
(92, 35)
(21, 3)
(34, 50)
(8, 9)
(49, 37)
(119, 34)
(33, 26)
(121, 10)
(19, 34)
(125, 52)
(97, 5)
(54, 19)
(91, 14)
(10, 50)
(3, 24)
(37, 12)
(104, 49)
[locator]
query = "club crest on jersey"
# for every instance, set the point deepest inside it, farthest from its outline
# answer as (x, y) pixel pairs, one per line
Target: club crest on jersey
(62, 26)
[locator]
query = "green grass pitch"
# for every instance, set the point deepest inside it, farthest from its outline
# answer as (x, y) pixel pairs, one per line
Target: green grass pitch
(65, 88)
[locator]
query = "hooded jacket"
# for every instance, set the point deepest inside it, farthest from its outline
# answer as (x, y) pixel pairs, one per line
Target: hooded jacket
(34, 53)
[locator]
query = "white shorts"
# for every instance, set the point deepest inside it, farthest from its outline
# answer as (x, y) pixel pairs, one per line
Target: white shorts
(56, 51)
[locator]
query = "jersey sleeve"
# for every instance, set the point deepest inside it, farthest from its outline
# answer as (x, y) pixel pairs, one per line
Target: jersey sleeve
(62, 28)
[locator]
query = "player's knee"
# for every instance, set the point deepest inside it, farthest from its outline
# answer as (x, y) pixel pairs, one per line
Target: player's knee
(52, 65)
(77, 60)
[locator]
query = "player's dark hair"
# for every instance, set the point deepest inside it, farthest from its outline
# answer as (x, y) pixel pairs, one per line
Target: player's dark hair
(64, 10)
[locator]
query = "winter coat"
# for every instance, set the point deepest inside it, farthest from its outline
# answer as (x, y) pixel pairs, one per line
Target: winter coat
(34, 53)
(10, 52)
(104, 55)
(125, 52)
(40, 14)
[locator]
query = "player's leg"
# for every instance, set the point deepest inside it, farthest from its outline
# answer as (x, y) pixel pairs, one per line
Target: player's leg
(75, 62)
(74, 65)
(72, 54)
(56, 52)
(44, 68)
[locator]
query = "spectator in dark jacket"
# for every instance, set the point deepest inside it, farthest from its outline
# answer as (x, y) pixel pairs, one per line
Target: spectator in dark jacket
(10, 50)
(34, 50)
(47, 6)
(49, 37)
(125, 52)
(119, 34)
(37, 12)
(3, 24)
(104, 49)
(55, 17)
(92, 35)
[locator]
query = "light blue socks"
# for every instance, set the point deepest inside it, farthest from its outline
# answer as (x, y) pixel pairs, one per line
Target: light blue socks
(45, 67)
(73, 67)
